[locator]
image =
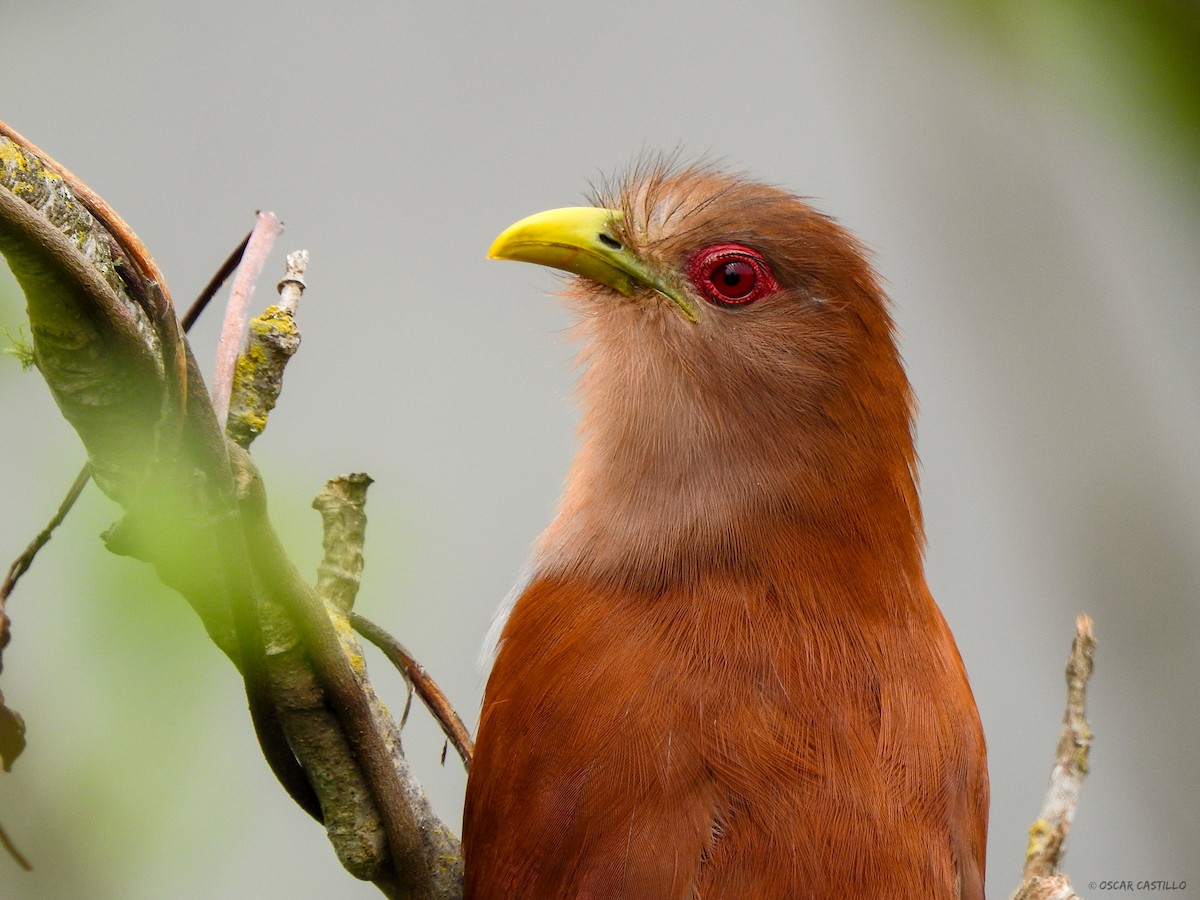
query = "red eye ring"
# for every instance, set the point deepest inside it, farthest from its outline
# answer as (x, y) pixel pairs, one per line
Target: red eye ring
(731, 275)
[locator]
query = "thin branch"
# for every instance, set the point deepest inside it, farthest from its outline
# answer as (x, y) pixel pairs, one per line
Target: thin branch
(214, 284)
(292, 286)
(424, 685)
(12, 726)
(1049, 832)
(22, 563)
(342, 504)
(266, 230)
(13, 851)
(1048, 835)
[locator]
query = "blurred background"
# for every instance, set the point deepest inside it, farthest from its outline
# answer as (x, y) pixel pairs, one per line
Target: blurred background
(1027, 174)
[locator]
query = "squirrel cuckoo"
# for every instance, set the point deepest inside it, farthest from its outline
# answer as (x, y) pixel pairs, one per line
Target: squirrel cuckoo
(726, 677)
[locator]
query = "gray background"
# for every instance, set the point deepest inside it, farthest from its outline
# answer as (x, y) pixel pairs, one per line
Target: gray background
(1040, 244)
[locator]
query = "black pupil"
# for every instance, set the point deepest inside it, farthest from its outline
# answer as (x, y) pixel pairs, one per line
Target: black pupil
(734, 278)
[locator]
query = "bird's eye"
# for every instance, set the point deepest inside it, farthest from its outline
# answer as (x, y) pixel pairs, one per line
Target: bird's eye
(731, 275)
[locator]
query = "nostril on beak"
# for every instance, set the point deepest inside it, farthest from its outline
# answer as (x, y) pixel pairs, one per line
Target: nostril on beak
(609, 241)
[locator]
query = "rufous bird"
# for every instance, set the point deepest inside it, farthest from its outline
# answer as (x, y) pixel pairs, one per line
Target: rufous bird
(726, 678)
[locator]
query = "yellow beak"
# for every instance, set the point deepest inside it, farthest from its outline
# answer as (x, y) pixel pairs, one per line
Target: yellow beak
(584, 240)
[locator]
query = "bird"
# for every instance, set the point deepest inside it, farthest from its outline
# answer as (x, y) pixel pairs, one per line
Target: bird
(725, 675)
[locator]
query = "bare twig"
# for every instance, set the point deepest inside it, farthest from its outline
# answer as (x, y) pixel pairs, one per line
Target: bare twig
(1047, 836)
(424, 685)
(292, 285)
(21, 564)
(13, 851)
(12, 726)
(342, 505)
(262, 238)
(214, 284)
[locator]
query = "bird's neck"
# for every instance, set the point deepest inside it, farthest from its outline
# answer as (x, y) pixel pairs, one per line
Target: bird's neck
(670, 498)
(685, 467)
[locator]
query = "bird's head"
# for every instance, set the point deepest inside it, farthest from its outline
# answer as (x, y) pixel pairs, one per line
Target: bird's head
(738, 353)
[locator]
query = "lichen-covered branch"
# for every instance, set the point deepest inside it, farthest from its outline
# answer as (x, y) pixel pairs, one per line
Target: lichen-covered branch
(258, 379)
(342, 505)
(115, 227)
(94, 344)
(415, 852)
(106, 340)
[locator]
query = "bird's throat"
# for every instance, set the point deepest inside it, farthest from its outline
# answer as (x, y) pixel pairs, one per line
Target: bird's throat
(694, 461)
(639, 522)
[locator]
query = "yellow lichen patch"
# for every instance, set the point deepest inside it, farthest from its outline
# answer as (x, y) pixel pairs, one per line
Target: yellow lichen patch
(251, 424)
(1038, 832)
(274, 320)
(12, 155)
(341, 625)
(248, 362)
(16, 158)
